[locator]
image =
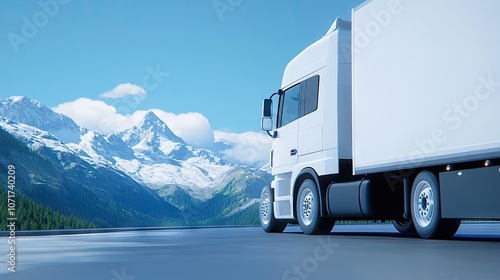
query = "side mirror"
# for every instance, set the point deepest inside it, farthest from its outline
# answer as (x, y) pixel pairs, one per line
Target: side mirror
(267, 116)
(267, 124)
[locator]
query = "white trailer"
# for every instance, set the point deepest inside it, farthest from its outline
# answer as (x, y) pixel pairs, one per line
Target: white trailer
(391, 117)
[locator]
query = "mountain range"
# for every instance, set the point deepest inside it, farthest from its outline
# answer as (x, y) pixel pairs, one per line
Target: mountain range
(143, 176)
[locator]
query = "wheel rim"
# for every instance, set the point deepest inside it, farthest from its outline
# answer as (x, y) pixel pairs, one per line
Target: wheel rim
(307, 209)
(265, 208)
(423, 204)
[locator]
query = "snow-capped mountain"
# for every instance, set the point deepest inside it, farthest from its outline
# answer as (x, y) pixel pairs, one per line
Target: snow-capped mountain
(154, 156)
(102, 149)
(33, 113)
(150, 133)
(52, 174)
(149, 155)
(150, 152)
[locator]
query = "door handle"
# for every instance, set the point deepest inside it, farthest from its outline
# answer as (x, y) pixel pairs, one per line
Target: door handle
(293, 152)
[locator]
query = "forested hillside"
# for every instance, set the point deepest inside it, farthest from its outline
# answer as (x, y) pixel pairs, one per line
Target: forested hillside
(32, 216)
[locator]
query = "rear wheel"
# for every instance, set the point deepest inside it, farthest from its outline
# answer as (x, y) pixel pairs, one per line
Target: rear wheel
(426, 209)
(308, 210)
(267, 220)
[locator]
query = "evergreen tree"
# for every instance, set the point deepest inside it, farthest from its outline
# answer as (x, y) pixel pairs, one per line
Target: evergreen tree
(33, 216)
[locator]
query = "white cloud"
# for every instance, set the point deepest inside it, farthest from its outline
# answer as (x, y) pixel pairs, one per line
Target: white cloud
(122, 90)
(193, 128)
(251, 148)
(94, 115)
(98, 116)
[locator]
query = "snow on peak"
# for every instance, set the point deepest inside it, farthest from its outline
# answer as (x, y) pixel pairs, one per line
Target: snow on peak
(33, 113)
(35, 138)
(151, 134)
(22, 101)
(151, 123)
(15, 99)
(151, 119)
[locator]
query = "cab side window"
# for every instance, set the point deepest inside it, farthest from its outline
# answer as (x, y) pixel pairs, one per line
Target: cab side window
(290, 105)
(298, 101)
(309, 95)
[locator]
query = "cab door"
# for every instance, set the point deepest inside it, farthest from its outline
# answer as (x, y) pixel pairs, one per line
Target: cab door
(284, 152)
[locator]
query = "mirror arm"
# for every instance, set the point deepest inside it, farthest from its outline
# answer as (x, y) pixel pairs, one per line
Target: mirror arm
(276, 93)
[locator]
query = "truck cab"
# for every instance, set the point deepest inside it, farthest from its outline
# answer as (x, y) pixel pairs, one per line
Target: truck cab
(316, 86)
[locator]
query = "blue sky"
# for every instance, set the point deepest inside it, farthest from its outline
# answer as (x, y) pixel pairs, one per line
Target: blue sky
(217, 63)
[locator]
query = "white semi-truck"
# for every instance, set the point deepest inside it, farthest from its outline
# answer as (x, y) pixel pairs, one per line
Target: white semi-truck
(395, 116)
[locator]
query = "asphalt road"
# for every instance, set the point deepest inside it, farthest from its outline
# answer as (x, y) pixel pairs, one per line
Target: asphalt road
(372, 251)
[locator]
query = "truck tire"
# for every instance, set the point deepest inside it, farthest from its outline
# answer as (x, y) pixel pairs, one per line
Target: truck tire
(404, 226)
(267, 220)
(426, 209)
(308, 210)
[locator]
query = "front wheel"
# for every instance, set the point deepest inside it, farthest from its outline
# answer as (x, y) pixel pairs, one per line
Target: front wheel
(308, 210)
(426, 209)
(404, 226)
(267, 220)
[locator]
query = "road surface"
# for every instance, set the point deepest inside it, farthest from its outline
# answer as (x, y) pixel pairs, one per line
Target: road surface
(369, 251)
